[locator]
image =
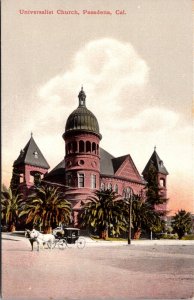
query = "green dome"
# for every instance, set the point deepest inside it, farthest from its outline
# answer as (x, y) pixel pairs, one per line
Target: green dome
(82, 119)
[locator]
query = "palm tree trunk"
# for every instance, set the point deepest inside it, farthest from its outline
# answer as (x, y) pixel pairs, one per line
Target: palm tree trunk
(104, 234)
(12, 228)
(48, 229)
(137, 233)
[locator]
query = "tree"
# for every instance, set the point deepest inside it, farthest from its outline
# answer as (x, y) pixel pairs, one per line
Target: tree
(11, 205)
(153, 196)
(182, 223)
(143, 216)
(47, 208)
(104, 212)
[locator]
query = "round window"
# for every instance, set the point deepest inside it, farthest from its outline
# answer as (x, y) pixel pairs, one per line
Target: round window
(81, 162)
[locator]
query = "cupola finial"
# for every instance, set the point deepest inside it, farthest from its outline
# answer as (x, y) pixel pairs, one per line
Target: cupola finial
(154, 148)
(31, 134)
(82, 97)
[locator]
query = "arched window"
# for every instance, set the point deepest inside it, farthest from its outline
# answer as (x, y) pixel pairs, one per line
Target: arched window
(74, 147)
(70, 147)
(88, 147)
(94, 148)
(124, 193)
(81, 146)
(110, 186)
(102, 186)
(116, 188)
(97, 149)
(127, 192)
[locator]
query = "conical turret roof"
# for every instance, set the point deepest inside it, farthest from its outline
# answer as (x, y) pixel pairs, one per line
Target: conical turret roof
(31, 155)
(157, 162)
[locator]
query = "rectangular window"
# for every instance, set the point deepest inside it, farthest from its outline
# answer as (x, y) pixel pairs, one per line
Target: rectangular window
(93, 181)
(80, 180)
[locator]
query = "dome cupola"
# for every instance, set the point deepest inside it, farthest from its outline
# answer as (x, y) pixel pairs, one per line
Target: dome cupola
(82, 119)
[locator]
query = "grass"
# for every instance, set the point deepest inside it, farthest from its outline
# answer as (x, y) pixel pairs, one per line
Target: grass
(114, 239)
(188, 237)
(95, 237)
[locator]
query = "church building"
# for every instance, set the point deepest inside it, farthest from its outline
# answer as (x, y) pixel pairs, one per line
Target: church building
(86, 166)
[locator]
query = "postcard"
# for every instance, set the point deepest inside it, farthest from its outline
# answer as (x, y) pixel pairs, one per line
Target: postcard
(94, 93)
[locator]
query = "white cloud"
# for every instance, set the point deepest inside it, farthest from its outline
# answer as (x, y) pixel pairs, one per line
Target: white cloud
(105, 67)
(150, 119)
(109, 70)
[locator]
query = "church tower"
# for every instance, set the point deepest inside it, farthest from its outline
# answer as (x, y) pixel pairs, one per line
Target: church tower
(28, 168)
(161, 173)
(82, 159)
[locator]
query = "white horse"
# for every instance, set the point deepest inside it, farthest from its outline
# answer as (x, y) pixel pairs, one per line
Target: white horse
(41, 239)
(27, 235)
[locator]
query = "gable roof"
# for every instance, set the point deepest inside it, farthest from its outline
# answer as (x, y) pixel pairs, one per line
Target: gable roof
(127, 168)
(118, 161)
(31, 155)
(157, 162)
(122, 166)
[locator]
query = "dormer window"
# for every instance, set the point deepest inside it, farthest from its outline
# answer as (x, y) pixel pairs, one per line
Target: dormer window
(35, 154)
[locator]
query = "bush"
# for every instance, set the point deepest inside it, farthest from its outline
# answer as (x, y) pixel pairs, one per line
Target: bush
(169, 236)
(188, 237)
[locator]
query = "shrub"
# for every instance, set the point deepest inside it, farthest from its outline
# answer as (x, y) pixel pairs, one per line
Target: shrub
(169, 236)
(188, 237)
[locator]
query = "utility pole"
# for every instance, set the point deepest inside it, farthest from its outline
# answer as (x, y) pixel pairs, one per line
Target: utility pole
(130, 219)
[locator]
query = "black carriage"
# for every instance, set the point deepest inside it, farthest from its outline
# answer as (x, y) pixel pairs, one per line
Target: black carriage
(68, 236)
(71, 235)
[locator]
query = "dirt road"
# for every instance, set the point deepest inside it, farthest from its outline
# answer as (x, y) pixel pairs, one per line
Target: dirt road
(119, 272)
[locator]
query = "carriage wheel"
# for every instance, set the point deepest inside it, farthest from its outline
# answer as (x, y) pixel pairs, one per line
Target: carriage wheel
(54, 243)
(51, 245)
(81, 242)
(62, 244)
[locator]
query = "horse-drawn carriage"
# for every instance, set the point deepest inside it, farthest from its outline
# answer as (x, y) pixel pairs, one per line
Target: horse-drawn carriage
(60, 237)
(67, 236)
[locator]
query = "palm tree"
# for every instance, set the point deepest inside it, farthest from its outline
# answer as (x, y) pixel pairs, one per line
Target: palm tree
(152, 188)
(182, 223)
(103, 212)
(47, 207)
(143, 216)
(11, 205)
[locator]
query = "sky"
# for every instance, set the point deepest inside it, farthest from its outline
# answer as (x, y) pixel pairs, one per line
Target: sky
(136, 71)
